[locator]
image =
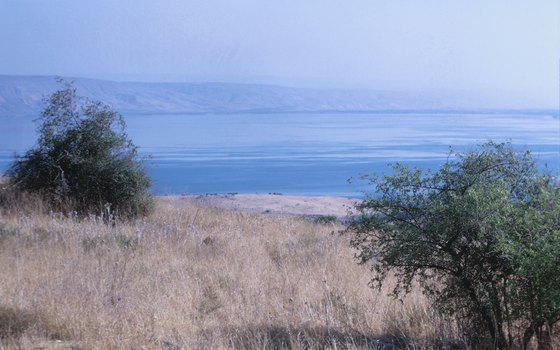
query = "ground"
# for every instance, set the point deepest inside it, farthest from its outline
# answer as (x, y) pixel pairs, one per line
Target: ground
(275, 205)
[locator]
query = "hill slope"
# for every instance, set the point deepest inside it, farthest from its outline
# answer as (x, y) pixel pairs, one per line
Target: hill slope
(22, 95)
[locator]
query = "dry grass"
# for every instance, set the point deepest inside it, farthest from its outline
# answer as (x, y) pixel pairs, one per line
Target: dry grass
(195, 278)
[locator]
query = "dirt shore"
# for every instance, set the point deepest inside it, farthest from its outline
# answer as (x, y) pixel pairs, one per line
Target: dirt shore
(272, 204)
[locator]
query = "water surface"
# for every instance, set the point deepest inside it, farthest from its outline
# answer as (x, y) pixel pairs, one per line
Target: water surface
(304, 154)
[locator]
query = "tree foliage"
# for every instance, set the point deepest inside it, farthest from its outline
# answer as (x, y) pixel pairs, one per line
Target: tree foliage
(480, 235)
(83, 160)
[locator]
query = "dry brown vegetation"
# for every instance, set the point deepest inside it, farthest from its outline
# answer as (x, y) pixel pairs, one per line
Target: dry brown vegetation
(190, 277)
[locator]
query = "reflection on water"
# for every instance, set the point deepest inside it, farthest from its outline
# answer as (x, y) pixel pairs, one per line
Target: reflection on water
(307, 154)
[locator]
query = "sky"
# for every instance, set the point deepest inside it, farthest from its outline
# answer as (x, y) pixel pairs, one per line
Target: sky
(492, 47)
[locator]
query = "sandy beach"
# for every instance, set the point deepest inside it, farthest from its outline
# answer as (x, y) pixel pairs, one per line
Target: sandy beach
(271, 204)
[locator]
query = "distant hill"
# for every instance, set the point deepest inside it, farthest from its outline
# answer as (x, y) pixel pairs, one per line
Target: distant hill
(22, 95)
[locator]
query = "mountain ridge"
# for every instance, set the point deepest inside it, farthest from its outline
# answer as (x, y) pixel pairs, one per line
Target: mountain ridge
(22, 95)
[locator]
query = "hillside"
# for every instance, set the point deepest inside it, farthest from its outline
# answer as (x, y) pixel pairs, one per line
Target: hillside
(22, 95)
(194, 277)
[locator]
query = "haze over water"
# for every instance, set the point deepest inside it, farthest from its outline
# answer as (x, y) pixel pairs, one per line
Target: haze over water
(506, 50)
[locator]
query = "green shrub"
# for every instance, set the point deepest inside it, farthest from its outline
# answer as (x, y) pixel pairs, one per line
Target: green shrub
(83, 160)
(481, 236)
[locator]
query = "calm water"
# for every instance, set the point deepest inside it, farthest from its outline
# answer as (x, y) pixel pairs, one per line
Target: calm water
(305, 154)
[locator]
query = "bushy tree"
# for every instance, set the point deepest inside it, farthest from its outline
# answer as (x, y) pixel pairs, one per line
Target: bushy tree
(533, 245)
(480, 236)
(83, 160)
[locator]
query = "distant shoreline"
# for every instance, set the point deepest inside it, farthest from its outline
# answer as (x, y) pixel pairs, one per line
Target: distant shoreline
(22, 95)
(553, 113)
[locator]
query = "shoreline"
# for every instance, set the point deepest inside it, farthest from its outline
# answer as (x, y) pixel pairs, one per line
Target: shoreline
(273, 204)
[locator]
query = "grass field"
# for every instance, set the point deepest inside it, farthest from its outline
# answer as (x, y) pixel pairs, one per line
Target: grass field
(193, 277)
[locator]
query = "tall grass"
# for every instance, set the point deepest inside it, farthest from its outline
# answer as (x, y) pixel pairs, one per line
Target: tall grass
(190, 277)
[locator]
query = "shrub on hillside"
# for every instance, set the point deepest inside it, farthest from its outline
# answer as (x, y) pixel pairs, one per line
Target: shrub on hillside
(83, 160)
(481, 236)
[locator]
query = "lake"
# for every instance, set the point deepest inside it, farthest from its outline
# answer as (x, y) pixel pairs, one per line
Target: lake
(304, 153)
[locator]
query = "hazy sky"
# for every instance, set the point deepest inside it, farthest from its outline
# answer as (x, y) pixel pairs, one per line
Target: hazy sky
(492, 47)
